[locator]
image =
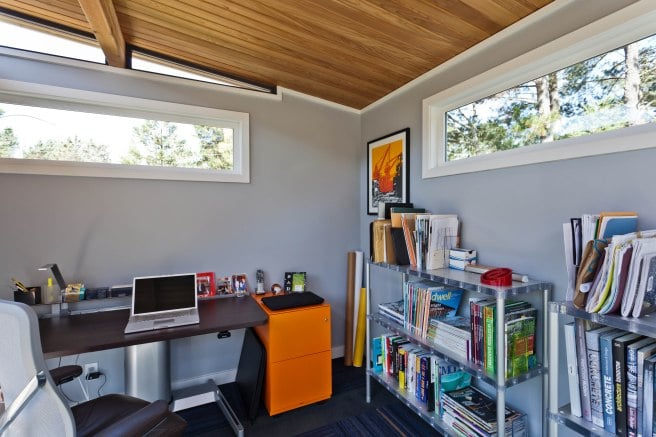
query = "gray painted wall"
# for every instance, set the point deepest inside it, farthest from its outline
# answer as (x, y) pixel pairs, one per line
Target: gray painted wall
(513, 217)
(299, 213)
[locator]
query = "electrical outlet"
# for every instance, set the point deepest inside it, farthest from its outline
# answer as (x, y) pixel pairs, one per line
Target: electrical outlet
(90, 368)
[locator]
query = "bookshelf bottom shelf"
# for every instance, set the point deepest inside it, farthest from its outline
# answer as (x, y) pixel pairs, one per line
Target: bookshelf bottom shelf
(578, 424)
(415, 405)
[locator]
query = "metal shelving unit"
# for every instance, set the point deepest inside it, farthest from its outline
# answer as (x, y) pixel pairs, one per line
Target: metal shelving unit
(645, 325)
(469, 282)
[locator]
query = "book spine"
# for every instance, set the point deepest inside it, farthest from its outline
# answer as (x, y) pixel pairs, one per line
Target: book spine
(425, 378)
(472, 322)
(607, 378)
(490, 335)
(581, 353)
(619, 366)
(648, 399)
(430, 402)
(642, 362)
(376, 354)
(594, 369)
(632, 391)
(572, 370)
(402, 365)
(410, 370)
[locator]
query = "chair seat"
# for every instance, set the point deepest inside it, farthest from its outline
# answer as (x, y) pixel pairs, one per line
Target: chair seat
(93, 416)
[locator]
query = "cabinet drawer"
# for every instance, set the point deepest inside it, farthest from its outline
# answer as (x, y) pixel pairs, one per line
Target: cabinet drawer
(299, 332)
(294, 383)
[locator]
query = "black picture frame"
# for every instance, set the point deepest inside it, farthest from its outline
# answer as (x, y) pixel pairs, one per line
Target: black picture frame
(388, 164)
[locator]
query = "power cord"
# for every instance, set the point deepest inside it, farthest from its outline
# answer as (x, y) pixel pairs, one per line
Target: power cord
(103, 384)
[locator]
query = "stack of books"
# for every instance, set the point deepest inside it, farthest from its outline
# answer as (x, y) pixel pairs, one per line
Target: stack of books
(453, 334)
(471, 412)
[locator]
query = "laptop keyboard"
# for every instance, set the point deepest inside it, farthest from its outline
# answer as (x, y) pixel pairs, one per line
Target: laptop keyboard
(150, 317)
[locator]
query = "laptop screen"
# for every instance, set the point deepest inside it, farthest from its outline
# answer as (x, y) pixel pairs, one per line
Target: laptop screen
(155, 294)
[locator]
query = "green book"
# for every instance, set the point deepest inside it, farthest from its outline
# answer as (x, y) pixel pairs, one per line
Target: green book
(489, 318)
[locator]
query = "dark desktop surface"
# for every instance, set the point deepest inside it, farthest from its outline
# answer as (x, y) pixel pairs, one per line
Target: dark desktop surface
(90, 332)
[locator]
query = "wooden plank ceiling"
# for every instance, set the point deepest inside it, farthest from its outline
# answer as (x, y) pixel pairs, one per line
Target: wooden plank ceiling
(351, 52)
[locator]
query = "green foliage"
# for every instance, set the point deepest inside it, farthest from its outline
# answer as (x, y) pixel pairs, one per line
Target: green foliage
(160, 146)
(70, 149)
(213, 154)
(586, 98)
(8, 142)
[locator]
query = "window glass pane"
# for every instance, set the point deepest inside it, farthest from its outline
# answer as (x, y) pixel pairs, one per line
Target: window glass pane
(614, 90)
(28, 132)
(153, 64)
(15, 35)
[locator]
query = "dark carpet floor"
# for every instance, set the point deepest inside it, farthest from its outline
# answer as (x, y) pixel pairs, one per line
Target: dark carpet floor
(346, 413)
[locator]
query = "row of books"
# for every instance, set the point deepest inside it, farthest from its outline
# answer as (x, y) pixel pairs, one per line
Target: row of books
(611, 265)
(426, 377)
(411, 236)
(611, 377)
(519, 334)
(424, 301)
(429, 312)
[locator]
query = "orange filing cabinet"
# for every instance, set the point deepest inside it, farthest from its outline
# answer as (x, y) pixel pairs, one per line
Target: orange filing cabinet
(298, 365)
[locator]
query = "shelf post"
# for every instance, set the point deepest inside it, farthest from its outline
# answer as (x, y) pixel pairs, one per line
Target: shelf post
(553, 369)
(545, 354)
(368, 334)
(501, 364)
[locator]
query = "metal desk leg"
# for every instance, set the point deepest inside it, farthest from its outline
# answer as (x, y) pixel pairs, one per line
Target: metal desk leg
(148, 371)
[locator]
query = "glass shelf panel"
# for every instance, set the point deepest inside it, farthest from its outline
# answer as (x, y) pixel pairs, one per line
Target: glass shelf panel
(467, 280)
(582, 426)
(412, 402)
(645, 325)
(468, 366)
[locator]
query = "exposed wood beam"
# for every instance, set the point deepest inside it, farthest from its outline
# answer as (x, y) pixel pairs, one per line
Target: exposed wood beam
(104, 23)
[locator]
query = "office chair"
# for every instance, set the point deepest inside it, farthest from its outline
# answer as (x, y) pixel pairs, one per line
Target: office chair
(35, 407)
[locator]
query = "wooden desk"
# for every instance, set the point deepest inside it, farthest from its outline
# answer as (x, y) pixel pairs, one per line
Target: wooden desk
(92, 332)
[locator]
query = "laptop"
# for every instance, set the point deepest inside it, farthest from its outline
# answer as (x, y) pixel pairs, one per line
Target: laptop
(163, 302)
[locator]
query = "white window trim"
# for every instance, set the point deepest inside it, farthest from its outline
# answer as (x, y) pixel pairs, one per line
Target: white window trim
(24, 93)
(627, 25)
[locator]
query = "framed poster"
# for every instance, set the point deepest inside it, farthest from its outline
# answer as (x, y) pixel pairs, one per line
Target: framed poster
(387, 170)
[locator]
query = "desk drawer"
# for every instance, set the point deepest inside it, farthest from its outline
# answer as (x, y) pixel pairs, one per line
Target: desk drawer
(294, 383)
(298, 332)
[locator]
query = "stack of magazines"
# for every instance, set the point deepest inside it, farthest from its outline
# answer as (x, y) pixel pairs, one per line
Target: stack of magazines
(453, 334)
(471, 412)
(392, 310)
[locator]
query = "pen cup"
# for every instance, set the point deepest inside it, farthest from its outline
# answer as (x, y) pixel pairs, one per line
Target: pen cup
(30, 297)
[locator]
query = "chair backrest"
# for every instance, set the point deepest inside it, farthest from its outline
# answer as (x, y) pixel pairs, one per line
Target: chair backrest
(45, 413)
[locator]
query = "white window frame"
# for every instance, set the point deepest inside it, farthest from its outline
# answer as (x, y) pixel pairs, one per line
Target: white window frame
(24, 93)
(618, 29)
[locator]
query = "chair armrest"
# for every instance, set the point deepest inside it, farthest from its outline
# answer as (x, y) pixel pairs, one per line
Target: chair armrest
(65, 373)
(139, 422)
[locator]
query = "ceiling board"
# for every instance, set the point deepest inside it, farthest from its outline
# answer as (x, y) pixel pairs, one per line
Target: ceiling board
(345, 51)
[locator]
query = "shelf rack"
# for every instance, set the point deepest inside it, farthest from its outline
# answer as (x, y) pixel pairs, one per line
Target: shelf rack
(645, 325)
(469, 282)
